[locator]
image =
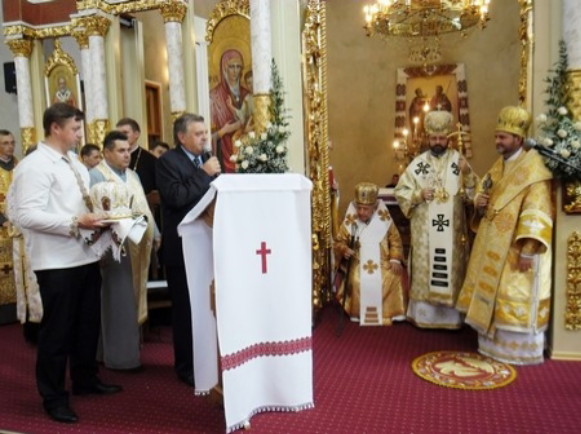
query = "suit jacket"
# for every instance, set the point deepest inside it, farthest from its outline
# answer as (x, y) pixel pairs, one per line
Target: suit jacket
(144, 164)
(181, 185)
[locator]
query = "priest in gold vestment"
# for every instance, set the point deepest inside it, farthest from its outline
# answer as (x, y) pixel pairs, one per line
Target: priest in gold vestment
(19, 280)
(7, 286)
(506, 295)
(432, 192)
(375, 293)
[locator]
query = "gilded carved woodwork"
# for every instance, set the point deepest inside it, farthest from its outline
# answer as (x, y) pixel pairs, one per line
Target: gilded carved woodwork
(574, 76)
(315, 77)
(223, 9)
(573, 308)
(175, 115)
(97, 130)
(59, 57)
(27, 137)
(19, 31)
(173, 11)
(81, 37)
(572, 189)
(526, 38)
(261, 112)
(20, 47)
(94, 25)
(129, 6)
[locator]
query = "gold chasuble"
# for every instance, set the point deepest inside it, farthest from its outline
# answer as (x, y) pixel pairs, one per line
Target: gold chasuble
(376, 293)
(7, 285)
(140, 254)
(439, 241)
(509, 308)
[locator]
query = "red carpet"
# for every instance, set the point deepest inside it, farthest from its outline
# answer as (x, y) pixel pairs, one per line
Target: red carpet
(363, 384)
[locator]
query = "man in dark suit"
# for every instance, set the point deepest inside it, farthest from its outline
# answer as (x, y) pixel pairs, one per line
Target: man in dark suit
(183, 177)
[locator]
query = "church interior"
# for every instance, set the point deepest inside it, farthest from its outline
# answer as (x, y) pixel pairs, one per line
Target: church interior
(355, 98)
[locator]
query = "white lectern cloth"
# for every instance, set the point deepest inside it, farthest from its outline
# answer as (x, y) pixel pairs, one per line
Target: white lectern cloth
(261, 243)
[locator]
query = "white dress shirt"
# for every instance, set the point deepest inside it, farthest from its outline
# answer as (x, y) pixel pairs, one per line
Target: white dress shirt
(47, 197)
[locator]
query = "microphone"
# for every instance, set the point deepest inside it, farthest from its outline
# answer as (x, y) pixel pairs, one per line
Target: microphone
(207, 152)
(530, 143)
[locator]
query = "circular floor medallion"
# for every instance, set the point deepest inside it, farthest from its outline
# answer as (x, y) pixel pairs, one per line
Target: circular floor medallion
(463, 370)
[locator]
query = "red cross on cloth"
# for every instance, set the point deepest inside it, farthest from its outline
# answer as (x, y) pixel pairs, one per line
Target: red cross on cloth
(263, 251)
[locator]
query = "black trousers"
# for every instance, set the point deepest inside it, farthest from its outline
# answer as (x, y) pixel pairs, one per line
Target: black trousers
(181, 316)
(69, 331)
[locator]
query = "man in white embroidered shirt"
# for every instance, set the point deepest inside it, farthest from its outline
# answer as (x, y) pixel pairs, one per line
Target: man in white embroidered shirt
(50, 204)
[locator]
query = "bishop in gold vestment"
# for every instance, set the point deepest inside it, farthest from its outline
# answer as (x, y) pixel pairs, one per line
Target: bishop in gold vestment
(432, 192)
(506, 295)
(375, 295)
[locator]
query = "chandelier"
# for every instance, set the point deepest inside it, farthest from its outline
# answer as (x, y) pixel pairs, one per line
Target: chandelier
(424, 18)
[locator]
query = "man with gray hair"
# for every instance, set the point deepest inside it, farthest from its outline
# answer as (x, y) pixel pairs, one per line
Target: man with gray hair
(183, 176)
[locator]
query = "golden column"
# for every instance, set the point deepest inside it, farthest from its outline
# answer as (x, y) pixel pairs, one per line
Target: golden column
(21, 49)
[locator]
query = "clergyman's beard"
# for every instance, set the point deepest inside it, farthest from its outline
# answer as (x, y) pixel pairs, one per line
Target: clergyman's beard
(437, 150)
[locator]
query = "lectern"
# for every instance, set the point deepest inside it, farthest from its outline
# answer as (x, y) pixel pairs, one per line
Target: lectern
(247, 249)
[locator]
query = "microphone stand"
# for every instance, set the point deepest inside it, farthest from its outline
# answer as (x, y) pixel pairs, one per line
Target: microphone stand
(552, 156)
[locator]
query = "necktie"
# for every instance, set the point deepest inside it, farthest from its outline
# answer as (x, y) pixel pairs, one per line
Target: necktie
(197, 161)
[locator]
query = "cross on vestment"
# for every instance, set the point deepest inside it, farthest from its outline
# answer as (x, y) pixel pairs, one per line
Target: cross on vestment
(456, 168)
(263, 251)
(6, 269)
(440, 223)
(422, 168)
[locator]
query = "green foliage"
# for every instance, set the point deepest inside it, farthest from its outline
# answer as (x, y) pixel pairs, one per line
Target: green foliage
(266, 152)
(558, 130)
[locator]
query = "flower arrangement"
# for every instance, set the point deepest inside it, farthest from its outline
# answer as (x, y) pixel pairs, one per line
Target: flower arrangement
(559, 133)
(266, 152)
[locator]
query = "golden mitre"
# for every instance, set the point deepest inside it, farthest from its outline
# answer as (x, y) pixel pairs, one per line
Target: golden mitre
(366, 193)
(514, 120)
(438, 122)
(112, 198)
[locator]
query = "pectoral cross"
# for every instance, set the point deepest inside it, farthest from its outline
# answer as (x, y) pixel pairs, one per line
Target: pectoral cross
(263, 251)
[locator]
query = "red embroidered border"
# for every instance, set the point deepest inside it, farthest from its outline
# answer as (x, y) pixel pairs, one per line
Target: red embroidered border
(265, 349)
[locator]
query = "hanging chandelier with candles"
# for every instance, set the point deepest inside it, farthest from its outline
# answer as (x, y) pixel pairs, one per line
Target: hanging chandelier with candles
(424, 18)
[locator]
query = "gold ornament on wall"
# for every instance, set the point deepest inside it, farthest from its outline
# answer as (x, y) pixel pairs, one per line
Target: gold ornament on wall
(315, 83)
(573, 308)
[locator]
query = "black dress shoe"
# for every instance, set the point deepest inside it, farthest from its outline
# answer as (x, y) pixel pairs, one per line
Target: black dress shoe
(187, 379)
(97, 389)
(62, 413)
